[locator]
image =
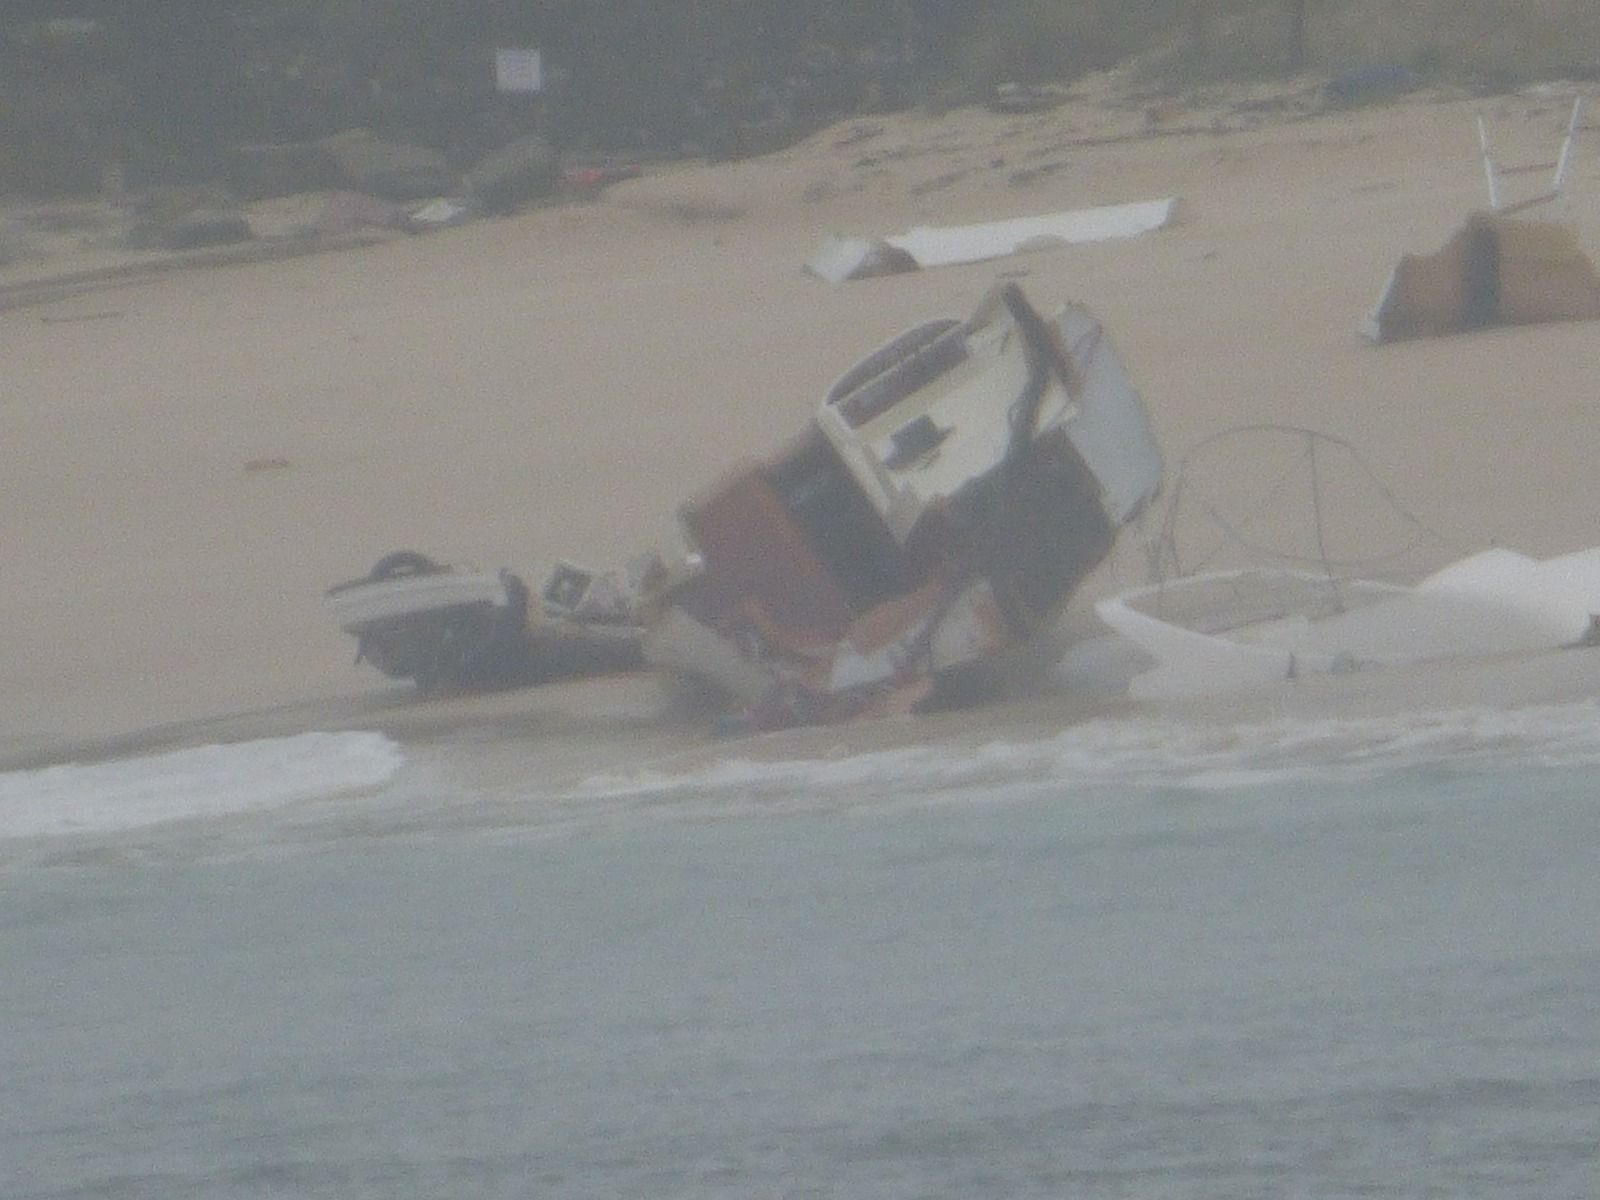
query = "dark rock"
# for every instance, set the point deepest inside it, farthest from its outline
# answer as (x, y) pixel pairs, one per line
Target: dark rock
(205, 227)
(260, 170)
(398, 171)
(523, 170)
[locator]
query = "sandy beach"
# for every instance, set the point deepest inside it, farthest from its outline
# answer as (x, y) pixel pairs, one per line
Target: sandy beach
(192, 456)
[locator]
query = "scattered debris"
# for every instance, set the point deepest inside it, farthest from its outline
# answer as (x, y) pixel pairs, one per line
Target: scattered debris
(838, 259)
(1497, 269)
(439, 214)
(930, 246)
(937, 247)
(952, 491)
(590, 180)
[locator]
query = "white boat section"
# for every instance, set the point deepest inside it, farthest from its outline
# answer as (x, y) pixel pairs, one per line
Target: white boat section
(678, 643)
(1110, 427)
(943, 246)
(1230, 631)
(363, 603)
(842, 258)
(964, 434)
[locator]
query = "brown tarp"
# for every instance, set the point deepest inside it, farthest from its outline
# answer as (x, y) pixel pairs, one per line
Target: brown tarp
(1494, 270)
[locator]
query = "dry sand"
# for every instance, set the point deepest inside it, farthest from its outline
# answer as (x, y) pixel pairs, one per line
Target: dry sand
(190, 457)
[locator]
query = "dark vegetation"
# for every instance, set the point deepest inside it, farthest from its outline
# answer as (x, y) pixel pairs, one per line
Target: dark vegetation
(161, 89)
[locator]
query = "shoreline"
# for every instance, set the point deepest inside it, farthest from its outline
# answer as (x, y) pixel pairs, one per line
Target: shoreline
(630, 723)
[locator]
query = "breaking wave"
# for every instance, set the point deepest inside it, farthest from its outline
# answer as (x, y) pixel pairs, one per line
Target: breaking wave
(318, 788)
(1136, 753)
(184, 785)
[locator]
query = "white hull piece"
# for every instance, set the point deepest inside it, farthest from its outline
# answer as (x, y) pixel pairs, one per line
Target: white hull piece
(951, 245)
(954, 489)
(443, 628)
(1232, 631)
(368, 602)
(842, 258)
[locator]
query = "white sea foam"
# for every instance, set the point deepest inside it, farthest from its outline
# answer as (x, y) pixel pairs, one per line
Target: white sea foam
(453, 789)
(1145, 753)
(208, 781)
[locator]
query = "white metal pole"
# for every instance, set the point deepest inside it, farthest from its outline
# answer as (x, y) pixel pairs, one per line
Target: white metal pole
(1488, 166)
(1565, 160)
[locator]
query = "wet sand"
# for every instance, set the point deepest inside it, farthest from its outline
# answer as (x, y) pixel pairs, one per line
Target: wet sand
(191, 457)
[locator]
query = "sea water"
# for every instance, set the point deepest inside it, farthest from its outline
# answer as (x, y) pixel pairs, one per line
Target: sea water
(1133, 958)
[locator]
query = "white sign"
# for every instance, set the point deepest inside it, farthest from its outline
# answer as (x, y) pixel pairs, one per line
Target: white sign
(518, 70)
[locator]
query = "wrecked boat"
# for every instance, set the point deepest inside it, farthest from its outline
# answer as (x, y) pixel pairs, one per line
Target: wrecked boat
(952, 491)
(1233, 630)
(440, 627)
(1262, 587)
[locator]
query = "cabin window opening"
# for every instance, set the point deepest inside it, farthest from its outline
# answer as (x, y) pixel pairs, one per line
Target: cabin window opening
(843, 528)
(915, 439)
(860, 400)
